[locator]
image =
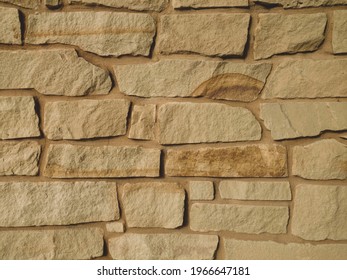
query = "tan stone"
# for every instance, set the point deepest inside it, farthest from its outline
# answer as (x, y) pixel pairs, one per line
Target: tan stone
(217, 34)
(257, 190)
(233, 161)
(137, 5)
(163, 247)
(30, 4)
(269, 250)
(18, 117)
(103, 33)
(53, 3)
(10, 30)
(115, 227)
(201, 190)
(73, 161)
(19, 158)
(181, 123)
(322, 160)
(238, 218)
(57, 203)
(307, 79)
(62, 244)
(143, 119)
(52, 72)
(191, 78)
(153, 204)
(196, 4)
(302, 3)
(340, 32)
(344, 136)
(85, 118)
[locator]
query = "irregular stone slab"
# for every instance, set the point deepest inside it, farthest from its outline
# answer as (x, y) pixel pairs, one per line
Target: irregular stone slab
(85, 118)
(19, 158)
(68, 74)
(308, 79)
(103, 33)
(10, 31)
(143, 119)
(57, 203)
(190, 78)
(18, 117)
(62, 244)
(196, 4)
(181, 123)
(239, 218)
(269, 250)
(226, 34)
(302, 119)
(233, 161)
(163, 247)
(137, 5)
(274, 33)
(243, 190)
(340, 32)
(322, 160)
(30, 4)
(201, 190)
(115, 227)
(302, 3)
(73, 161)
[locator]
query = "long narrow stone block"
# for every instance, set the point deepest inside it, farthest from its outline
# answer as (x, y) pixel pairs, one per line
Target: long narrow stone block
(137, 5)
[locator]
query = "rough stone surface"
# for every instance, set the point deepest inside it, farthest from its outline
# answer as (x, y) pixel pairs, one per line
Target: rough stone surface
(163, 247)
(242, 190)
(302, 3)
(115, 227)
(322, 160)
(85, 118)
(190, 78)
(233, 161)
(340, 32)
(278, 33)
(62, 244)
(239, 218)
(103, 33)
(137, 5)
(196, 4)
(57, 203)
(19, 158)
(53, 3)
(308, 79)
(320, 212)
(72, 161)
(153, 204)
(10, 31)
(18, 117)
(201, 190)
(202, 34)
(302, 119)
(30, 4)
(143, 119)
(52, 72)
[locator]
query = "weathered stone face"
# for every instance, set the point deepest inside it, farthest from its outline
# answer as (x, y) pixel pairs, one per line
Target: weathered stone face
(302, 3)
(143, 119)
(201, 190)
(10, 30)
(196, 4)
(137, 5)
(340, 32)
(30, 4)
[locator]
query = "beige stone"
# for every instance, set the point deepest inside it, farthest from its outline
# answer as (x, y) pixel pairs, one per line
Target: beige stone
(269, 250)
(57, 203)
(10, 30)
(320, 212)
(19, 158)
(62, 244)
(201, 190)
(153, 204)
(187, 122)
(52, 72)
(18, 117)
(73, 161)
(30, 4)
(256, 190)
(278, 33)
(302, 119)
(115, 227)
(143, 119)
(322, 160)
(216, 34)
(53, 3)
(238, 218)
(103, 33)
(302, 3)
(196, 4)
(340, 32)
(85, 118)
(191, 78)
(233, 161)
(163, 247)
(307, 79)
(137, 5)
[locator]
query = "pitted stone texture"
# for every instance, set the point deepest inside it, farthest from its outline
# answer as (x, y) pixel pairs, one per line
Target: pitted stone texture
(190, 78)
(233, 161)
(103, 33)
(19, 158)
(201, 190)
(137, 5)
(239, 218)
(62, 244)
(30, 4)
(18, 117)
(143, 119)
(115, 227)
(322, 160)
(196, 4)
(277, 34)
(153, 204)
(302, 119)
(340, 32)
(163, 247)
(308, 79)
(320, 212)
(206, 34)
(85, 119)
(10, 31)
(52, 72)
(302, 3)
(73, 161)
(57, 203)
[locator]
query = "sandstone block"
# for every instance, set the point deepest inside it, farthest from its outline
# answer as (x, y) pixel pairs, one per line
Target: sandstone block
(201, 190)
(30, 4)
(340, 32)
(10, 30)
(143, 119)
(115, 227)
(137, 5)
(302, 3)
(197, 4)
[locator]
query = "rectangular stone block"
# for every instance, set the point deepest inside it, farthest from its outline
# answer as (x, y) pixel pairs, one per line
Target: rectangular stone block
(143, 119)
(137, 5)
(30, 4)
(201, 190)
(340, 32)
(302, 3)
(10, 30)
(196, 4)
